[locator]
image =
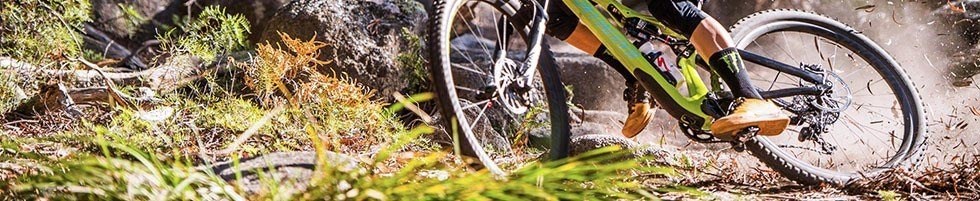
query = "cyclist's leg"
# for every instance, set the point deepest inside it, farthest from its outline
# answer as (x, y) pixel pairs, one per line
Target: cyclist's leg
(710, 39)
(564, 25)
(714, 44)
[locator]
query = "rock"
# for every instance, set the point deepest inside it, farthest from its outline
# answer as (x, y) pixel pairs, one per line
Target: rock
(964, 65)
(965, 55)
(595, 85)
(110, 17)
(585, 143)
(363, 38)
(292, 170)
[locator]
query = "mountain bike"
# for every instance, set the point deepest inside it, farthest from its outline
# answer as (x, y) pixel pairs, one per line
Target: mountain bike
(854, 111)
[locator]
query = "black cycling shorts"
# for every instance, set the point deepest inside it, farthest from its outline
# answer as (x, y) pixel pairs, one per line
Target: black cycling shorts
(683, 16)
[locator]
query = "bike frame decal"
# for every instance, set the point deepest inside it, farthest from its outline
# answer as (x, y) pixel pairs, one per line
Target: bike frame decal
(622, 49)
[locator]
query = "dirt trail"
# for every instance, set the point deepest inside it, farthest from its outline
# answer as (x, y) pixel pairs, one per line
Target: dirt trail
(919, 42)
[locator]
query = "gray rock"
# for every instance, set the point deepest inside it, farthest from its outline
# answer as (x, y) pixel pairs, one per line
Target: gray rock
(363, 37)
(291, 169)
(110, 17)
(586, 143)
(595, 85)
(965, 56)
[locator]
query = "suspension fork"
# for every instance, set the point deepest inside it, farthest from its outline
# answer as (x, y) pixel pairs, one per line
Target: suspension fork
(538, 27)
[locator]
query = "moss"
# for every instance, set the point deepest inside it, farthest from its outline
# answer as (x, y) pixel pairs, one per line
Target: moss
(412, 60)
(42, 31)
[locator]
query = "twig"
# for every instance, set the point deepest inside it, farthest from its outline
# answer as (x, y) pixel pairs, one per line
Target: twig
(426, 118)
(114, 95)
(918, 184)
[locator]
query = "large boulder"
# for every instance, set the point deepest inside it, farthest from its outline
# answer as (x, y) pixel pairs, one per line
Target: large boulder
(595, 85)
(364, 38)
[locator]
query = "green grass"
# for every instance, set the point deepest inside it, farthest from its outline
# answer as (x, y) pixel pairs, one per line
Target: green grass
(210, 34)
(412, 60)
(125, 173)
(278, 102)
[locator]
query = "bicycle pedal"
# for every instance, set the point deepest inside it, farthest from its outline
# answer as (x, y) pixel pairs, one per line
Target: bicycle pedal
(747, 134)
(738, 146)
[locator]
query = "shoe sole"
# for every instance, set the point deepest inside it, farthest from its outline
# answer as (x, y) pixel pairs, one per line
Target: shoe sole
(639, 127)
(770, 125)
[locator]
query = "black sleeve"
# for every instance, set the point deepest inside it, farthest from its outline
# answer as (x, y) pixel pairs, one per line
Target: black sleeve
(681, 15)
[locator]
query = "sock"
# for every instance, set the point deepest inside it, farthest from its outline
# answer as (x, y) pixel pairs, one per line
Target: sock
(730, 67)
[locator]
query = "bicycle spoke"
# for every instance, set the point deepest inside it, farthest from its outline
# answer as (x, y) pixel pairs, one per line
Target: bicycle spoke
(480, 32)
(476, 104)
(480, 115)
(785, 51)
(470, 69)
(852, 120)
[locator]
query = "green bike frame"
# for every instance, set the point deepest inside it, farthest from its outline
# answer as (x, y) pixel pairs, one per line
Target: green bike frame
(686, 108)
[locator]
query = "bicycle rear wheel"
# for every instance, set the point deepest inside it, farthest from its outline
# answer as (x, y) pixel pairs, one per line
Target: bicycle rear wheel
(477, 60)
(871, 121)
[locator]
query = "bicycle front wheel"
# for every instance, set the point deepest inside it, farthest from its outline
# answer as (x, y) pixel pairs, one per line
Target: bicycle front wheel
(477, 61)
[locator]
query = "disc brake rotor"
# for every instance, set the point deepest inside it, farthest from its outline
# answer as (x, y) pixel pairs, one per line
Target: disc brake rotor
(516, 94)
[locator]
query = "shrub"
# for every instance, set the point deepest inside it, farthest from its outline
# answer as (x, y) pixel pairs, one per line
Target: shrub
(42, 31)
(208, 35)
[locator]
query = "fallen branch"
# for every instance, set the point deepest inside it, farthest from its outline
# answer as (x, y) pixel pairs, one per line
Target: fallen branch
(164, 78)
(113, 95)
(153, 78)
(57, 97)
(97, 40)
